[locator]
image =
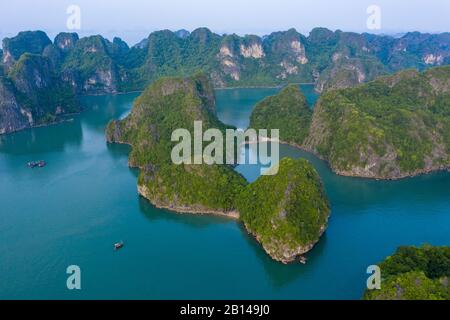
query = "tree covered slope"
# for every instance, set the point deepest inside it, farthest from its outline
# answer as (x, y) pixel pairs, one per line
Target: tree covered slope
(414, 274)
(287, 111)
(390, 128)
(287, 212)
(167, 105)
(393, 127)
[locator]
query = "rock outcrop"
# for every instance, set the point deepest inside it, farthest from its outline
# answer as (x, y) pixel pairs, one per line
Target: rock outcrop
(33, 42)
(12, 116)
(32, 95)
(66, 41)
(90, 67)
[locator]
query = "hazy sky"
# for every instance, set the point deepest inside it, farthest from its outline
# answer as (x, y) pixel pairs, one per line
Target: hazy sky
(133, 20)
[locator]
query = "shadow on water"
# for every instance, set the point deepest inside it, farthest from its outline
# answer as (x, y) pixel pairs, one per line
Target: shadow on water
(97, 112)
(120, 151)
(280, 274)
(52, 138)
(150, 212)
(358, 193)
(104, 108)
(192, 220)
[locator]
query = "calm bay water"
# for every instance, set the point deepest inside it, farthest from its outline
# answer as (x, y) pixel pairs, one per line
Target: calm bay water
(72, 212)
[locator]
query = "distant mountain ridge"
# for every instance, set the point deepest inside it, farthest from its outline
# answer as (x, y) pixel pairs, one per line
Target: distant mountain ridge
(95, 65)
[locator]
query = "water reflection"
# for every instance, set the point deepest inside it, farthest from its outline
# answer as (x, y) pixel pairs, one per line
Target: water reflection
(192, 220)
(104, 108)
(52, 138)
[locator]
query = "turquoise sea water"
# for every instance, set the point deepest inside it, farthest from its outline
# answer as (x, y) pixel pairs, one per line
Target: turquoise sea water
(72, 212)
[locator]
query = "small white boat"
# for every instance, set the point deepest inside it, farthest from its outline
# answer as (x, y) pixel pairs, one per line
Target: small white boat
(118, 245)
(36, 164)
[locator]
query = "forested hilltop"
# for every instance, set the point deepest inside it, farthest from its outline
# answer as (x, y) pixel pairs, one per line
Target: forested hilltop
(414, 274)
(393, 127)
(169, 104)
(70, 66)
(390, 128)
(287, 212)
(287, 111)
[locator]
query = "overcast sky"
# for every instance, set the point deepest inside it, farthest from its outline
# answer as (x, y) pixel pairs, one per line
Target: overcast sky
(133, 20)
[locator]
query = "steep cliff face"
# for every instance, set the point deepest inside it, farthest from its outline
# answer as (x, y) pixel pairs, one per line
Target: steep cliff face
(229, 57)
(332, 60)
(351, 61)
(25, 42)
(251, 60)
(347, 72)
(66, 41)
(240, 59)
(32, 95)
(12, 116)
(55, 57)
(390, 128)
(286, 50)
(90, 68)
(419, 51)
(359, 58)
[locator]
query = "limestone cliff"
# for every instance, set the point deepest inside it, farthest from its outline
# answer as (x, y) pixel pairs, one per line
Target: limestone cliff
(331, 60)
(31, 95)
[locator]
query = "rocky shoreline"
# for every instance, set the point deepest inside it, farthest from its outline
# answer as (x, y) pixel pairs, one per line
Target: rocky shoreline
(288, 256)
(352, 175)
(142, 190)
(59, 120)
(417, 173)
(373, 177)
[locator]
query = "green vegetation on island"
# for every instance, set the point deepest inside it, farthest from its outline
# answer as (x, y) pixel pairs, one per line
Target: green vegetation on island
(390, 128)
(167, 105)
(393, 127)
(414, 274)
(286, 212)
(287, 111)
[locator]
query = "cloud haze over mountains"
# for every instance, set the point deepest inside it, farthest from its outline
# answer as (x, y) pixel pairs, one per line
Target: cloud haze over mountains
(133, 20)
